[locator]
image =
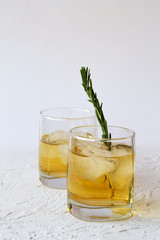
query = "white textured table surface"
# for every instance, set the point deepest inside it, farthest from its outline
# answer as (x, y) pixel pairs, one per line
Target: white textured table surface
(29, 210)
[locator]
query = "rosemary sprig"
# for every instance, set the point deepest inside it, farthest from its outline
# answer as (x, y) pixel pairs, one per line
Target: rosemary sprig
(87, 85)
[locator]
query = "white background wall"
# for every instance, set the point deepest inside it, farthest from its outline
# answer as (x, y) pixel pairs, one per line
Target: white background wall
(43, 44)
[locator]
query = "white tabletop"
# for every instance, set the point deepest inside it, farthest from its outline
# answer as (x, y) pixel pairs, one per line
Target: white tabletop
(29, 210)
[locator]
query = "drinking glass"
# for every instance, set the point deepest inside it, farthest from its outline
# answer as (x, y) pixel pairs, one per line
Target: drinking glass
(100, 183)
(55, 124)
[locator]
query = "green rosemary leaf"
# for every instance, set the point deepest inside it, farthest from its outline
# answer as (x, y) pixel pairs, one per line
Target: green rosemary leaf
(87, 85)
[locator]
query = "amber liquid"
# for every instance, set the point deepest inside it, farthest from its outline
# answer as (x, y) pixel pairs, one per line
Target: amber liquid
(92, 184)
(53, 159)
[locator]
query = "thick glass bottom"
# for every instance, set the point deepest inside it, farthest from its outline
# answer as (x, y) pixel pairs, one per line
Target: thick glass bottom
(99, 214)
(52, 182)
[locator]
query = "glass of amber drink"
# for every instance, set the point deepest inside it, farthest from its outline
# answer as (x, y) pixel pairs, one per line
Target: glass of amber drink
(100, 183)
(55, 124)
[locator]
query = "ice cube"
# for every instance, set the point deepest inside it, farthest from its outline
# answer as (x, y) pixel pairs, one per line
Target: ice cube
(80, 147)
(58, 137)
(45, 138)
(93, 161)
(117, 150)
(91, 168)
(83, 149)
(123, 175)
(100, 149)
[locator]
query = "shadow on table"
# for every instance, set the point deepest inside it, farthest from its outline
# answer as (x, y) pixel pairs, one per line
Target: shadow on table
(147, 195)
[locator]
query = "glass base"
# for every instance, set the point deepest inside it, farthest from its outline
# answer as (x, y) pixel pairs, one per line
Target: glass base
(51, 182)
(99, 214)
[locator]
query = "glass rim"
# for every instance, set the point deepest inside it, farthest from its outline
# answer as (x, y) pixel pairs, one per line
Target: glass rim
(42, 113)
(101, 139)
